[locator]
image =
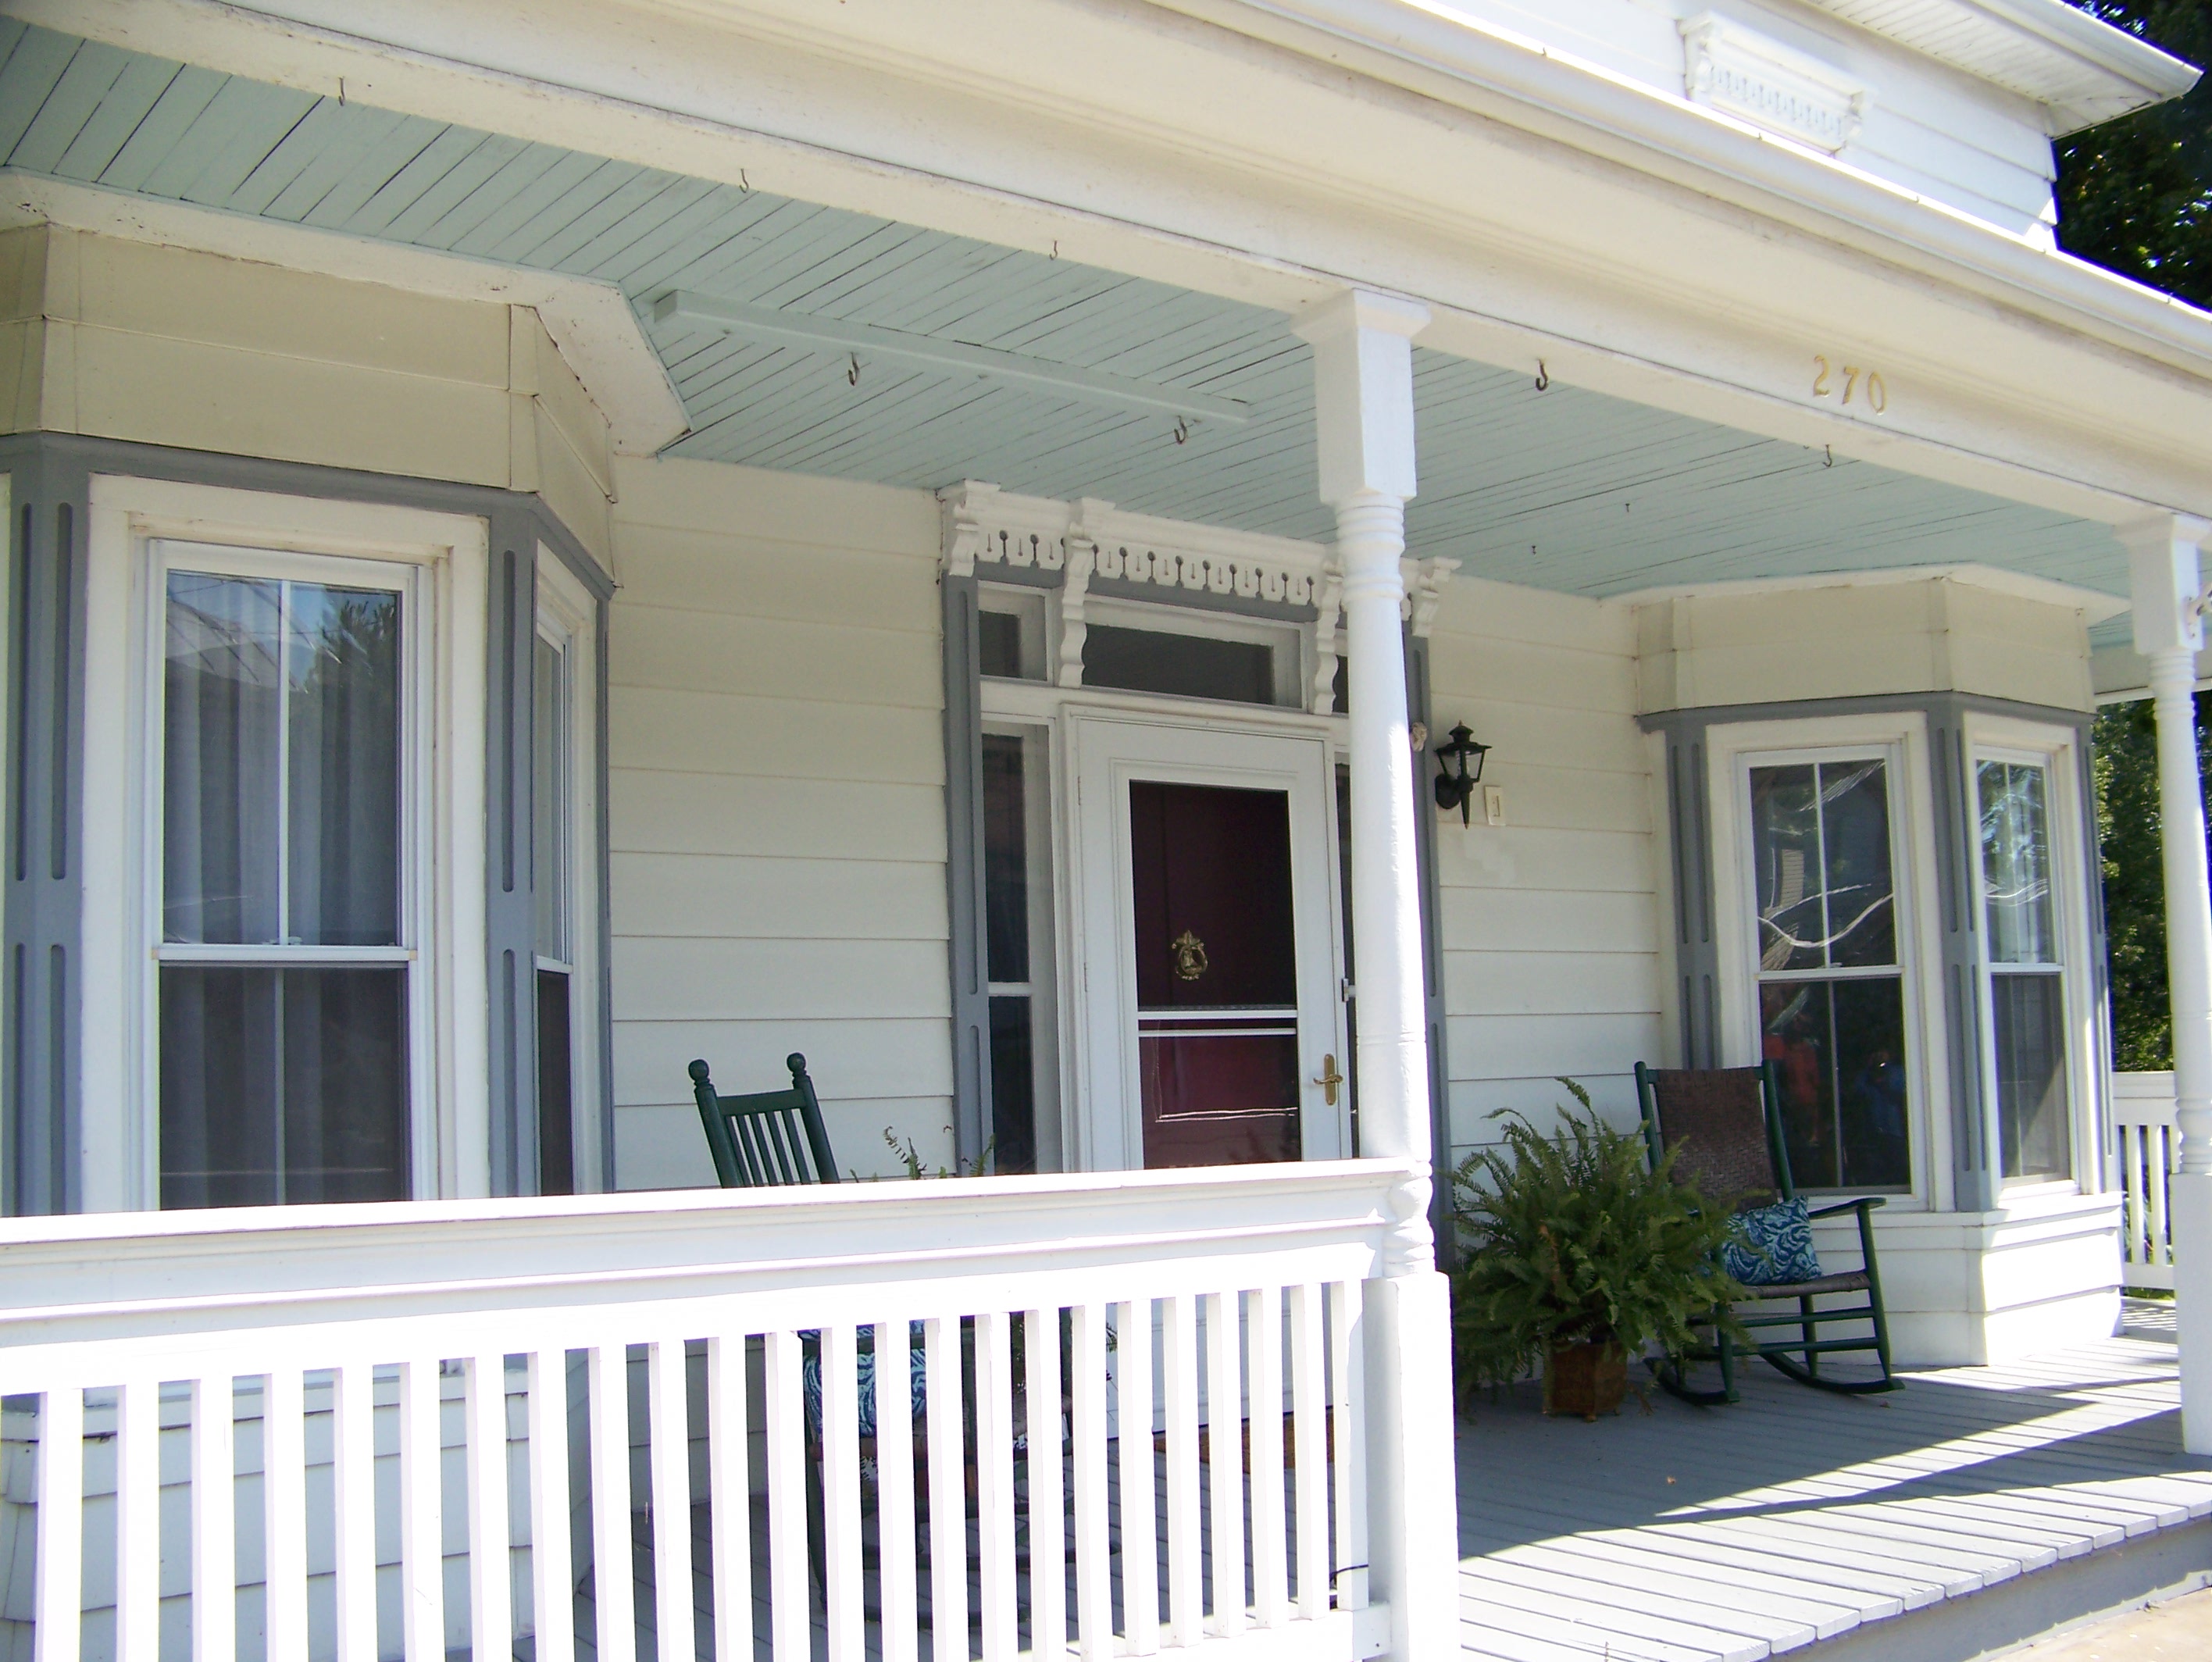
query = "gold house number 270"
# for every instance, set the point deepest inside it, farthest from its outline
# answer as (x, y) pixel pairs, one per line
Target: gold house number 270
(1856, 383)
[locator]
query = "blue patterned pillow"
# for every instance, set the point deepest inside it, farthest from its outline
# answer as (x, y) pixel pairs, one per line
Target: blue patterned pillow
(1771, 1246)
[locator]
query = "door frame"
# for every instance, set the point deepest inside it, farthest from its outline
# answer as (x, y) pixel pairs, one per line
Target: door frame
(1105, 747)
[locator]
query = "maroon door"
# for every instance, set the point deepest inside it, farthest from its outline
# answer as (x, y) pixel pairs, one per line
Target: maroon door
(1217, 974)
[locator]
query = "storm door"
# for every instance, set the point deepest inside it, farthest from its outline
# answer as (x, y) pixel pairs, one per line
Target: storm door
(1217, 974)
(1205, 874)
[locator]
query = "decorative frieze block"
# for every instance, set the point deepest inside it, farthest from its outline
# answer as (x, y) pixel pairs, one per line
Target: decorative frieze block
(1747, 75)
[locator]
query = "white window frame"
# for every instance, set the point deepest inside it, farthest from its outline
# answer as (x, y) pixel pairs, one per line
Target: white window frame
(443, 559)
(567, 617)
(1901, 740)
(2056, 751)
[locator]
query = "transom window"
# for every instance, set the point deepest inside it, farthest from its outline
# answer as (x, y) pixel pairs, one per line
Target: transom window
(2026, 990)
(284, 965)
(1830, 979)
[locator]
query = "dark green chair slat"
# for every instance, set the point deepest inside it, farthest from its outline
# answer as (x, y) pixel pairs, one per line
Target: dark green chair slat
(1756, 1157)
(768, 1139)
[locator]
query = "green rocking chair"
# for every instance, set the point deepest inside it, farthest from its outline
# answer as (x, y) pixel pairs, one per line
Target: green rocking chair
(767, 1139)
(1727, 1122)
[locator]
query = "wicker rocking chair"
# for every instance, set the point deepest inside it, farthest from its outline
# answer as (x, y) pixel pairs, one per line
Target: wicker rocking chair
(1727, 1122)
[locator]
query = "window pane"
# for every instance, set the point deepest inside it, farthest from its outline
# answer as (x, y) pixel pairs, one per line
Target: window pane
(999, 643)
(2027, 1016)
(550, 751)
(221, 720)
(1182, 666)
(1855, 844)
(1838, 1047)
(1785, 842)
(2016, 863)
(556, 1136)
(343, 652)
(1013, 1087)
(1006, 861)
(283, 1085)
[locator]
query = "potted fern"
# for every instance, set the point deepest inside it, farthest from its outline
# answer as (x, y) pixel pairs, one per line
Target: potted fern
(1575, 1255)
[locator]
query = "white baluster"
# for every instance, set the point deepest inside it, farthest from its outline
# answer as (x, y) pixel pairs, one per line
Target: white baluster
(670, 1434)
(353, 1474)
(1141, 1552)
(2159, 1163)
(894, 1510)
(422, 1514)
(842, 1592)
(994, 1485)
(138, 1519)
(729, 1494)
(1186, 1543)
(613, 1587)
(1347, 1386)
(285, 1511)
(491, 1586)
(1308, 1422)
(552, 1588)
(1270, 1550)
(790, 1604)
(215, 1537)
(1047, 1512)
(59, 1613)
(1094, 1566)
(1224, 1413)
(948, 1493)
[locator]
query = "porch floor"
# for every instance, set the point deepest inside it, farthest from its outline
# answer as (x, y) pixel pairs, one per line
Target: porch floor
(1688, 1534)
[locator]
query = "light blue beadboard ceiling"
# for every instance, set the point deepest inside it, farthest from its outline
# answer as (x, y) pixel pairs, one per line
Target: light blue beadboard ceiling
(1561, 488)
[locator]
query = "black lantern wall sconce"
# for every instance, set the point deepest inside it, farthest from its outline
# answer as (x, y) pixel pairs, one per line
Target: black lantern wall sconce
(1456, 790)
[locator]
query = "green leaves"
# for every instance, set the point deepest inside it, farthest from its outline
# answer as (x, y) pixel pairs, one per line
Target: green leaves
(1570, 1237)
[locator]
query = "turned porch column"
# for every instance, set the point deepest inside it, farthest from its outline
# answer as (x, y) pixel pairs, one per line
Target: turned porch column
(2169, 631)
(1363, 423)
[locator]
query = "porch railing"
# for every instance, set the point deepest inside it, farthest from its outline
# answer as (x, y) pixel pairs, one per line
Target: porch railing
(2146, 1146)
(370, 1431)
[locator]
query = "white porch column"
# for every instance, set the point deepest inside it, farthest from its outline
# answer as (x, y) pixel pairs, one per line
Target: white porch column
(2169, 630)
(1363, 419)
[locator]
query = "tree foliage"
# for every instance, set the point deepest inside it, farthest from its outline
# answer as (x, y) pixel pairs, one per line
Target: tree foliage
(2135, 195)
(2124, 745)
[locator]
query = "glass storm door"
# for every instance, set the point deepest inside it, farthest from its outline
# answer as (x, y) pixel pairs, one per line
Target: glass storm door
(1217, 974)
(1204, 872)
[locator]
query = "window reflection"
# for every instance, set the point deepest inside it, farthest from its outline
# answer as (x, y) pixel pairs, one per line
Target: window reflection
(2026, 1006)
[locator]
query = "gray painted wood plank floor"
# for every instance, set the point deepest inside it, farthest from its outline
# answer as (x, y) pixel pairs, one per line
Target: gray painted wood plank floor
(1691, 1535)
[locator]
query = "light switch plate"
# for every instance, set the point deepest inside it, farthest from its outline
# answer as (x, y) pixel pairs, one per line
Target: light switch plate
(1493, 804)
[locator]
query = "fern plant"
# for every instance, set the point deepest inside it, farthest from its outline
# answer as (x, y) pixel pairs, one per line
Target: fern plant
(1571, 1238)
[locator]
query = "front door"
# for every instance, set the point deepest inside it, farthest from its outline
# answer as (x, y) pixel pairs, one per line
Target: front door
(1204, 882)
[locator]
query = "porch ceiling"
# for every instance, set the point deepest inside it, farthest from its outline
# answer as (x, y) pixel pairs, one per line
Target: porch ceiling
(1563, 488)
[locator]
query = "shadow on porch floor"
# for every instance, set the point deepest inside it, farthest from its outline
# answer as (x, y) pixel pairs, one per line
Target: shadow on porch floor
(1975, 1507)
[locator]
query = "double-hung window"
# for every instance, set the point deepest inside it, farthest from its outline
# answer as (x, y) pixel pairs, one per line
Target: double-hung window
(1829, 972)
(288, 820)
(2024, 967)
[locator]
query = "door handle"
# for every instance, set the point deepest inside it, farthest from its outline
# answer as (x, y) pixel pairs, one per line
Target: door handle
(1329, 1079)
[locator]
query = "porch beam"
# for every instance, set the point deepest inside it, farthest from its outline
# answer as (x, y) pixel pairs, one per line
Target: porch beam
(2164, 558)
(933, 355)
(1364, 423)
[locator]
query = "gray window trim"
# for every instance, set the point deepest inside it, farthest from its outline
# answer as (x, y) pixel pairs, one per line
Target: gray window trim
(51, 474)
(1976, 1181)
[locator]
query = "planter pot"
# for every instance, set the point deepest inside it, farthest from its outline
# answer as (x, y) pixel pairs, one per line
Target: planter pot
(1589, 1379)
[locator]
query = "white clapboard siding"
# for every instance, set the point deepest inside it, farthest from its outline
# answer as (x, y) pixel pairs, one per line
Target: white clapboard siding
(243, 1375)
(776, 810)
(1550, 921)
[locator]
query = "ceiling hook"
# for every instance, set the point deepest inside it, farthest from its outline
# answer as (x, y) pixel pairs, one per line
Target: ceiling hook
(745, 185)
(1181, 430)
(1543, 376)
(1829, 452)
(853, 371)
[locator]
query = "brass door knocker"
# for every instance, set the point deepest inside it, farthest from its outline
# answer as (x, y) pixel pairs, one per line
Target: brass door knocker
(1189, 956)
